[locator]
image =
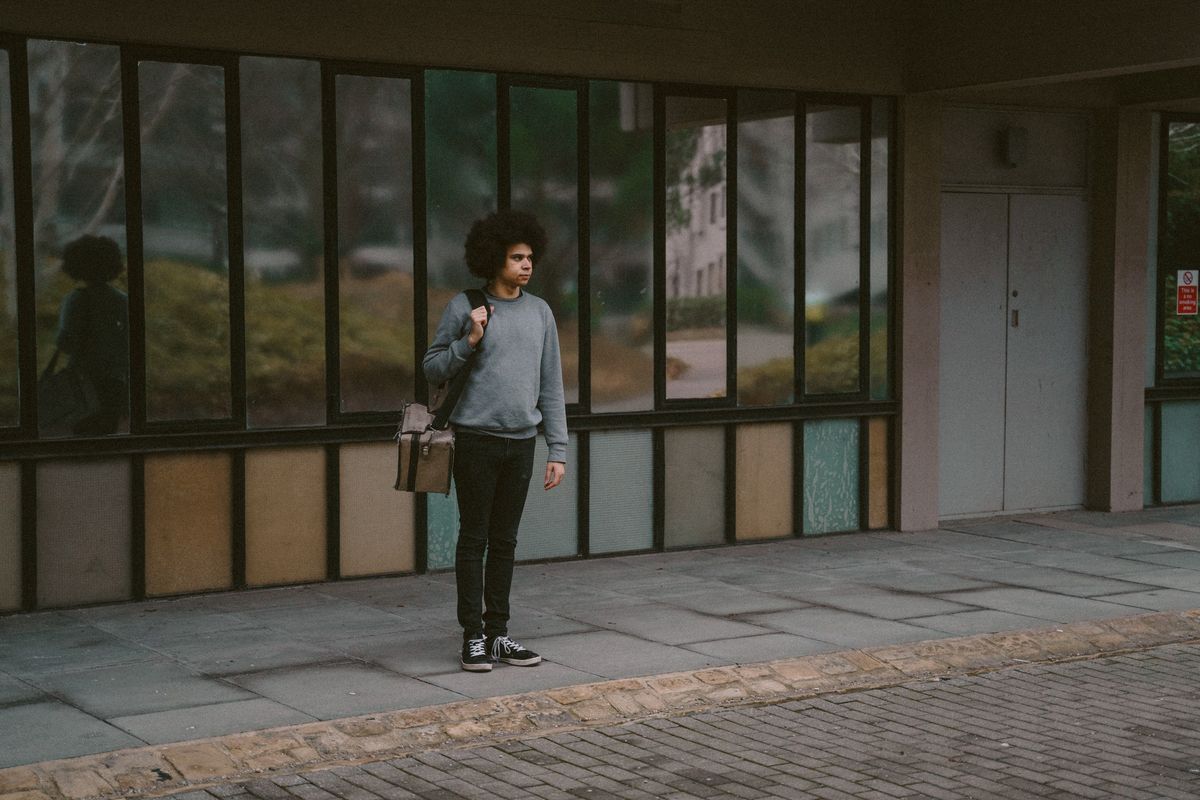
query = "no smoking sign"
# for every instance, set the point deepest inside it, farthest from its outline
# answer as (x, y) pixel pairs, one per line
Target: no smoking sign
(1185, 292)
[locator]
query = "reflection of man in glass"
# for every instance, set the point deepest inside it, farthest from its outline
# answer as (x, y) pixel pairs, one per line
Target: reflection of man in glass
(93, 329)
(515, 383)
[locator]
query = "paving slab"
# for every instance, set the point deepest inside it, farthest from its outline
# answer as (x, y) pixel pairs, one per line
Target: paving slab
(506, 679)
(67, 649)
(329, 691)
(666, 624)
(967, 623)
(612, 654)
(245, 650)
(766, 647)
(14, 690)
(202, 721)
(138, 688)
(1046, 605)
(1158, 599)
(48, 730)
(840, 627)
(894, 605)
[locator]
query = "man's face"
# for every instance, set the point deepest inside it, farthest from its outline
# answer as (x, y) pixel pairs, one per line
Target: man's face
(518, 266)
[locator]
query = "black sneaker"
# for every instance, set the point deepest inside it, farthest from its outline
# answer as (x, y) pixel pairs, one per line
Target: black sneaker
(505, 649)
(475, 656)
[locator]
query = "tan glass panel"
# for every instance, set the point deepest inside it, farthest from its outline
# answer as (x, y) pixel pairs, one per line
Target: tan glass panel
(188, 542)
(764, 481)
(695, 491)
(285, 516)
(877, 442)
(10, 537)
(376, 520)
(76, 497)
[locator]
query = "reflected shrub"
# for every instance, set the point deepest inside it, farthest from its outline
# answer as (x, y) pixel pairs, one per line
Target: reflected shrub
(695, 312)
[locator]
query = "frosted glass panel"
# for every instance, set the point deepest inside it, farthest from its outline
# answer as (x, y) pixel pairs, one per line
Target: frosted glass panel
(621, 516)
(764, 481)
(188, 523)
(285, 516)
(75, 496)
(376, 520)
(1180, 445)
(441, 513)
(550, 527)
(695, 491)
(830, 476)
(10, 537)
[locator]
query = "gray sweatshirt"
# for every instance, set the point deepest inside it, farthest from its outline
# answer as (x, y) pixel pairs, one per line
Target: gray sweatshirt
(516, 378)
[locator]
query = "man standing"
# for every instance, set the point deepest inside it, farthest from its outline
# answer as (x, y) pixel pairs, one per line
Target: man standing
(515, 383)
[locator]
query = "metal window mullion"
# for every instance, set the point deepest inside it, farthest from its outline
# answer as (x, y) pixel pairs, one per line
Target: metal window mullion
(26, 286)
(235, 241)
(864, 251)
(134, 250)
(333, 382)
(583, 143)
(731, 264)
(799, 245)
(659, 278)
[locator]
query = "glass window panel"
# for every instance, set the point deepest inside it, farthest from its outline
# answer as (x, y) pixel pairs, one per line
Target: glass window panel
(549, 526)
(621, 149)
(766, 230)
(77, 142)
(10, 412)
(695, 256)
(1180, 249)
(460, 170)
(831, 476)
(376, 530)
(764, 480)
(189, 542)
(881, 126)
(375, 242)
(621, 478)
(185, 240)
(832, 225)
(92, 496)
(1180, 444)
(282, 210)
(1151, 299)
(544, 144)
(695, 486)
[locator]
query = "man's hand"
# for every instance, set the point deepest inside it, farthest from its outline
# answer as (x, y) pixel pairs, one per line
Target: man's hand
(555, 470)
(479, 321)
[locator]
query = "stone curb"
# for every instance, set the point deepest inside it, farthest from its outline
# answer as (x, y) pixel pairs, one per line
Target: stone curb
(162, 769)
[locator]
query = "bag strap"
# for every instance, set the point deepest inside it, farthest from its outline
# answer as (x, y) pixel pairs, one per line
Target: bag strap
(459, 382)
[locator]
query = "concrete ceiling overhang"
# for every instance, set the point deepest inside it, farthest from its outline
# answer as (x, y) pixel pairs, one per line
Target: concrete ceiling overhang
(1089, 53)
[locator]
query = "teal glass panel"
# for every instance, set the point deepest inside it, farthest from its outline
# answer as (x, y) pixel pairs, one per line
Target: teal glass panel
(441, 514)
(460, 171)
(549, 526)
(766, 253)
(695, 486)
(1148, 458)
(1179, 249)
(621, 153)
(881, 127)
(375, 242)
(10, 414)
(831, 470)
(1180, 446)
(283, 210)
(695, 186)
(185, 240)
(621, 483)
(832, 245)
(544, 144)
(77, 144)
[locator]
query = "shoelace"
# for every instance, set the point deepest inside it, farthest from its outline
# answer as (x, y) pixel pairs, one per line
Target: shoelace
(505, 643)
(476, 647)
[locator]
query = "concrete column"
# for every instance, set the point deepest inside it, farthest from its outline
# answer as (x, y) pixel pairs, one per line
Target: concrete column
(920, 310)
(1122, 169)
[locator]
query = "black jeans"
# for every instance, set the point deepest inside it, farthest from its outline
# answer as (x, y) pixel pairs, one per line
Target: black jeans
(491, 477)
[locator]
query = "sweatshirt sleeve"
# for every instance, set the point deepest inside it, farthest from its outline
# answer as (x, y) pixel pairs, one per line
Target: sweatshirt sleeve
(550, 397)
(449, 349)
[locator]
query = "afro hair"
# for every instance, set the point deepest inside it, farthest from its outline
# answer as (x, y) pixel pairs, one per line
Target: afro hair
(92, 259)
(488, 242)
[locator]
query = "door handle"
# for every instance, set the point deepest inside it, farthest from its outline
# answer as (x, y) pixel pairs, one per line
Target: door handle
(1016, 317)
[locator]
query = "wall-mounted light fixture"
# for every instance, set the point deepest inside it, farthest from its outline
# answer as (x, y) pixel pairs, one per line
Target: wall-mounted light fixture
(1014, 145)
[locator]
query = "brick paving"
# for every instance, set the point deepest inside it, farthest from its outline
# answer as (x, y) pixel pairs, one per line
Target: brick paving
(1123, 726)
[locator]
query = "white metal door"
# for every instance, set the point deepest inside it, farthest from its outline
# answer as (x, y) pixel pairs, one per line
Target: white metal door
(1013, 358)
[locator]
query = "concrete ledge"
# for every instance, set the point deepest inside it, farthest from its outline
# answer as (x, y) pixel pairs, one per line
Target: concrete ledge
(162, 769)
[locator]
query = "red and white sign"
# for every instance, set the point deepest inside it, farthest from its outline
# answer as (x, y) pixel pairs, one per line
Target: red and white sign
(1185, 292)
